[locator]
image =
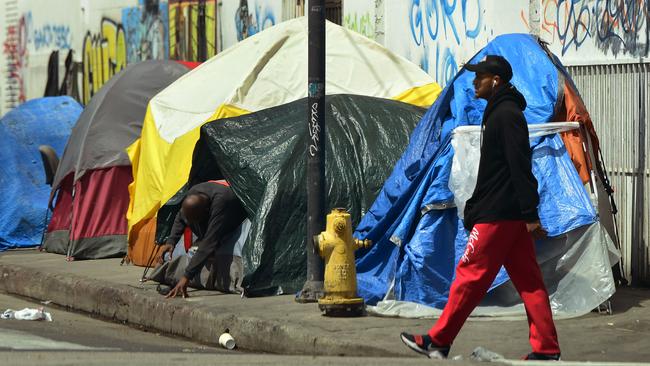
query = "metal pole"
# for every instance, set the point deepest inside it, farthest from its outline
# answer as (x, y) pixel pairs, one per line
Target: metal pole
(313, 287)
(200, 30)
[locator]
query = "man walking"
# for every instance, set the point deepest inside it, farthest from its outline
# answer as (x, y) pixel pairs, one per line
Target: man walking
(502, 219)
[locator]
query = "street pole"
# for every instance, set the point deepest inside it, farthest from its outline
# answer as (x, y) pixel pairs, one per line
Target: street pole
(315, 149)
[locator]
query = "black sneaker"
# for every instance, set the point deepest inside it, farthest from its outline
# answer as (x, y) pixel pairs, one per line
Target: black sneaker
(422, 344)
(542, 356)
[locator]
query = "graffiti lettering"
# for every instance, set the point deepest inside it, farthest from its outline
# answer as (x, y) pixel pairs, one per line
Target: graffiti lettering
(249, 22)
(314, 130)
(430, 13)
(469, 250)
(52, 36)
(104, 55)
(446, 66)
(447, 24)
(15, 49)
(363, 24)
(614, 26)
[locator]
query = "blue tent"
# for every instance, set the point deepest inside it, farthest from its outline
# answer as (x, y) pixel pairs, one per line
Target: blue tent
(413, 222)
(44, 121)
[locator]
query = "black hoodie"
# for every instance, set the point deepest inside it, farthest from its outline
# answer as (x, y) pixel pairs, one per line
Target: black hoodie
(505, 188)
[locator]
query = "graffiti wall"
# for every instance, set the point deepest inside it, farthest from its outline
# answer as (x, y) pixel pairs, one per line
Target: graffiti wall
(359, 15)
(105, 35)
(37, 31)
(147, 31)
(15, 57)
(192, 29)
(241, 19)
(441, 35)
(103, 55)
(596, 31)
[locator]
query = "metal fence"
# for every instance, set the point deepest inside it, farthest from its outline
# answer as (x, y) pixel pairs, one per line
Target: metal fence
(618, 100)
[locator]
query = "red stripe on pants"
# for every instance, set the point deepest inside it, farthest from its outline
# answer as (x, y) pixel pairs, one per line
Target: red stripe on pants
(491, 245)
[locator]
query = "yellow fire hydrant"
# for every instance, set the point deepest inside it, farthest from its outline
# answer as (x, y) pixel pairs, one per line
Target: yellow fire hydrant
(336, 245)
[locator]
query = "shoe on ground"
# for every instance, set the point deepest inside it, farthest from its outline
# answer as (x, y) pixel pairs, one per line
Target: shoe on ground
(422, 344)
(542, 357)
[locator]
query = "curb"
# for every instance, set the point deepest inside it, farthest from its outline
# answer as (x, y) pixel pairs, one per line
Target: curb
(123, 303)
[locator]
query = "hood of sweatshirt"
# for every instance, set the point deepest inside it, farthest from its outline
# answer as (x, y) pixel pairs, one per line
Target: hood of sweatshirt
(504, 93)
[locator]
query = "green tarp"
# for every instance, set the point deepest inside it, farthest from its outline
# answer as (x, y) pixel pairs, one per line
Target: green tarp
(263, 156)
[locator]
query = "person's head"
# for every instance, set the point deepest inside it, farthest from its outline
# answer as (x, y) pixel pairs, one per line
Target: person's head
(195, 208)
(491, 73)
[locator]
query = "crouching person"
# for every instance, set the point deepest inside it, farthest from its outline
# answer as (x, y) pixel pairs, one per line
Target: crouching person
(214, 215)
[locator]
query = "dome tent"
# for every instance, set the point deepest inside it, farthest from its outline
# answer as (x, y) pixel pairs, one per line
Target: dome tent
(42, 121)
(92, 223)
(415, 224)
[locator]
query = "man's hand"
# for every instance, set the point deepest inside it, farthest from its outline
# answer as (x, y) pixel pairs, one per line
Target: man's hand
(536, 230)
(167, 248)
(181, 287)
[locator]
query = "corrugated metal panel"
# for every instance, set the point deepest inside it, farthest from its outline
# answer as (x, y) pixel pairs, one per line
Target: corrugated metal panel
(618, 100)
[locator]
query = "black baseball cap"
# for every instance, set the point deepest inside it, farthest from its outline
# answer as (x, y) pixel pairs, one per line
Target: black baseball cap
(493, 64)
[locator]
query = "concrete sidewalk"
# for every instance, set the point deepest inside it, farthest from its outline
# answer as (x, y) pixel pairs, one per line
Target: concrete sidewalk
(279, 325)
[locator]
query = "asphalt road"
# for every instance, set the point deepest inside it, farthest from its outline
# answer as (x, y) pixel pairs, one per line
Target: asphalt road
(75, 332)
(78, 339)
(73, 339)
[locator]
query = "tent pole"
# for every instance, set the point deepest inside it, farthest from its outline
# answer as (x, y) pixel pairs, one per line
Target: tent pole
(313, 287)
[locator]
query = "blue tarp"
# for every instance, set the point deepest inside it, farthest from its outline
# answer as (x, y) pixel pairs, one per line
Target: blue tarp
(419, 251)
(24, 194)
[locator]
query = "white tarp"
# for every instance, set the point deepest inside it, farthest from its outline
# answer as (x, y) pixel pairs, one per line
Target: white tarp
(270, 69)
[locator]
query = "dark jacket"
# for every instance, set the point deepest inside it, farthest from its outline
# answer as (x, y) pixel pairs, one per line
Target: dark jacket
(226, 214)
(505, 188)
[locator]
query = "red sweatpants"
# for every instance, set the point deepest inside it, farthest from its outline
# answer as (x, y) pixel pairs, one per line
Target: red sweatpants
(491, 245)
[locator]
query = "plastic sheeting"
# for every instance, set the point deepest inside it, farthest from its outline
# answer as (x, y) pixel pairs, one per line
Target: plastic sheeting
(262, 155)
(466, 141)
(577, 265)
(419, 238)
(44, 121)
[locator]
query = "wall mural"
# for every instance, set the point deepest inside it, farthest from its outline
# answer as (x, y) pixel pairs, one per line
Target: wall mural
(251, 20)
(241, 19)
(147, 31)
